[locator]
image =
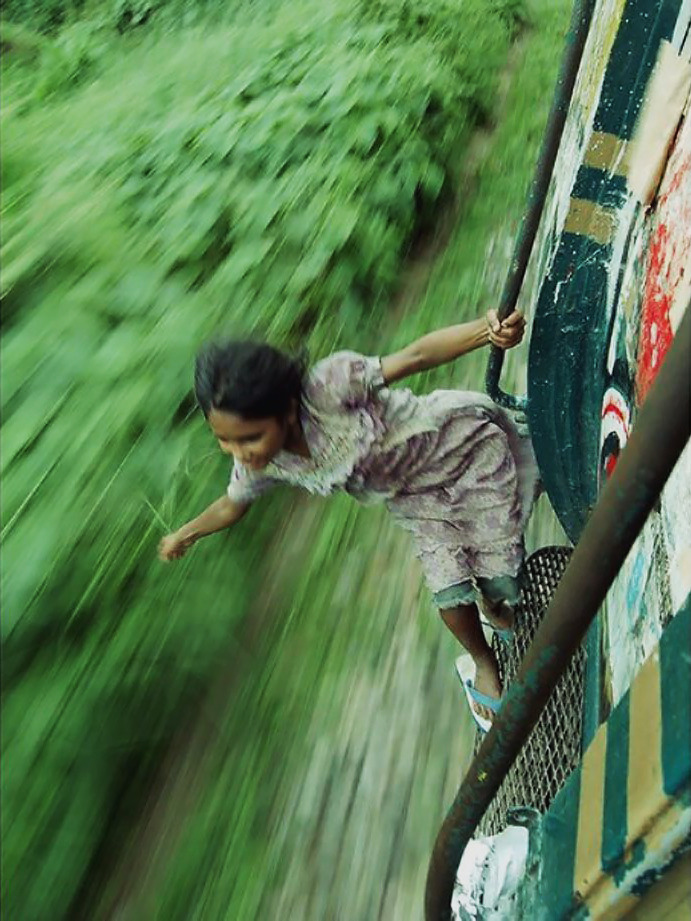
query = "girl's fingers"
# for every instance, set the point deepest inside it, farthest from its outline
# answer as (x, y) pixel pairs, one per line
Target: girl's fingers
(507, 333)
(493, 321)
(514, 319)
(169, 550)
(506, 339)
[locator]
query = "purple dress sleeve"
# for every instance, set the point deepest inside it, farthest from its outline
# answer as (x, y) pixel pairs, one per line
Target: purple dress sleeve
(346, 379)
(245, 485)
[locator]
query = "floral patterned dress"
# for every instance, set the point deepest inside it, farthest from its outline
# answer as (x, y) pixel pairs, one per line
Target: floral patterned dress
(451, 467)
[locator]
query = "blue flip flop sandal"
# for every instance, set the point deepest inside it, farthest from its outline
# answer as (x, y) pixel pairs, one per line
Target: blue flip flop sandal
(466, 672)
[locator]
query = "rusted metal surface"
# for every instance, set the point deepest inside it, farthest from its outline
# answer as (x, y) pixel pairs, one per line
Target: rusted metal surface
(661, 432)
(578, 33)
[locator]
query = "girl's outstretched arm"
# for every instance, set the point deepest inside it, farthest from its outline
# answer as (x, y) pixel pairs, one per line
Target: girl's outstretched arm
(219, 515)
(444, 345)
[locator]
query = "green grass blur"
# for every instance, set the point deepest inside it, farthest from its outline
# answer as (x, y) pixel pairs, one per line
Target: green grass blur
(169, 172)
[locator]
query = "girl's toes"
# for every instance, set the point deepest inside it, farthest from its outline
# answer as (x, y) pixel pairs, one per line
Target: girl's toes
(483, 712)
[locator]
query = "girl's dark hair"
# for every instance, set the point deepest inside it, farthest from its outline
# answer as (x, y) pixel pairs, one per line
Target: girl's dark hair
(251, 379)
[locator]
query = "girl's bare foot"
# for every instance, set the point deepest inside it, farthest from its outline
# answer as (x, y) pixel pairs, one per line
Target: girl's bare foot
(464, 622)
(486, 682)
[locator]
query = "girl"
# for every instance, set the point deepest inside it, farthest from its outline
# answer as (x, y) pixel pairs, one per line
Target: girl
(451, 466)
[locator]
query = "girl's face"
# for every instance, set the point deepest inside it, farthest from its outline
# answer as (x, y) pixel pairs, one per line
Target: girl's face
(252, 442)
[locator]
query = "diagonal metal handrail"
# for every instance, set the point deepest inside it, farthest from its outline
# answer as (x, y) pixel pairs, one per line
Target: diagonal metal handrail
(578, 32)
(659, 436)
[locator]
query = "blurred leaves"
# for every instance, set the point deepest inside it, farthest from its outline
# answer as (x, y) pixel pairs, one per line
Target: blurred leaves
(266, 177)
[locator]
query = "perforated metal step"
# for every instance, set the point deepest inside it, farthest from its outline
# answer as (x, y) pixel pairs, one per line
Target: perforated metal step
(553, 749)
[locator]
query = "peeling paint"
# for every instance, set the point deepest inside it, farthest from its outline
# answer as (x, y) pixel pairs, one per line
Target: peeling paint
(614, 280)
(617, 278)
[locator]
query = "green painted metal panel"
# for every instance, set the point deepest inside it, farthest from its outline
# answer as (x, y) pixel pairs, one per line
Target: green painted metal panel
(573, 326)
(675, 674)
(558, 842)
(615, 813)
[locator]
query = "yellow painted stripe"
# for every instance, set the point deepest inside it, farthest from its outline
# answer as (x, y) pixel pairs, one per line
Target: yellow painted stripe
(646, 799)
(603, 31)
(607, 901)
(607, 152)
(589, 219)
(659, 820)
(587, 863)
(667, 827)
(611, 903)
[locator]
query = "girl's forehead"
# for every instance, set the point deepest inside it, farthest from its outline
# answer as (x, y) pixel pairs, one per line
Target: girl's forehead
(232, 425)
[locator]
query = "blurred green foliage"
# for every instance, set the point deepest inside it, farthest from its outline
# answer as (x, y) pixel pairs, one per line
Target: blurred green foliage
(263, 176)
(51, 16)
(255, 838)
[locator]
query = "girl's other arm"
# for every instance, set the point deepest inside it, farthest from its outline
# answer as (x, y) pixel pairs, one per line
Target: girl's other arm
(219, 515)
(444, 345)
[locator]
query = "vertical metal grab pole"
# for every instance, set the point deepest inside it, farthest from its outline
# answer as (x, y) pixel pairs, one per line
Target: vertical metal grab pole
(659, 436)
(575, 42)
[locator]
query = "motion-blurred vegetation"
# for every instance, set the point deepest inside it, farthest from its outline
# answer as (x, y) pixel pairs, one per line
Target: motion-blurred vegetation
(251, 170)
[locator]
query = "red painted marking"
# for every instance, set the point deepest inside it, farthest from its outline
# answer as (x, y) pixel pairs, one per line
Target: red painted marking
(667, 256)
(611, 407)
(610, 464)
(656, 331)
